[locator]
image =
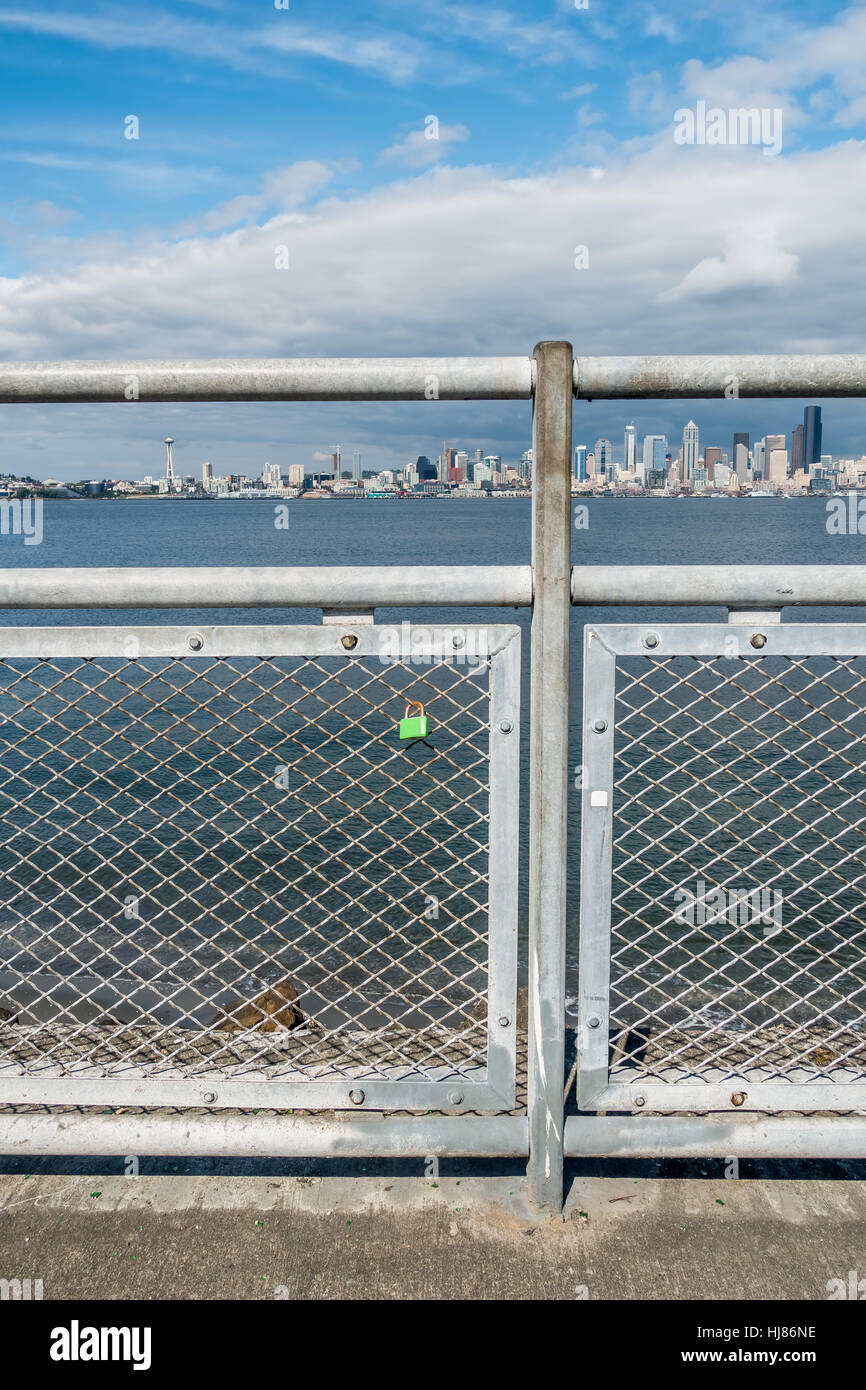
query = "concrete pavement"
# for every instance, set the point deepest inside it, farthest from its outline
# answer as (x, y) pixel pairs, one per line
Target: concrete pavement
(393, 1237)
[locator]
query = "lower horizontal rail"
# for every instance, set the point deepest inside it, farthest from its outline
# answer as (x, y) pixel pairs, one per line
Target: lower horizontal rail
(734, 586)
(715, 1136)
(266, 1136)
(308, 586)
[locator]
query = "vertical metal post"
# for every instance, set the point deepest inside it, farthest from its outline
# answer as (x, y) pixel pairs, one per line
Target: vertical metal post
(548, 759)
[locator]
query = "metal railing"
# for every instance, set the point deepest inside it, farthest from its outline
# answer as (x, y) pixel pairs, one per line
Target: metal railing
(174, 743)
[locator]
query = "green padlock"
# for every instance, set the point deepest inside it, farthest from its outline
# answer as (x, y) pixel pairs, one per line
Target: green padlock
(414, 726)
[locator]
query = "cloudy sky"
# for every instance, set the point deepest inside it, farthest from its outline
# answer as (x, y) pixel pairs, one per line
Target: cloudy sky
(268, 135)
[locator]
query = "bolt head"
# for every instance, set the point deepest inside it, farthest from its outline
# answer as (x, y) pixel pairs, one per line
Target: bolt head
(600, 725)
(758, 639)
(457, 640)
(640, 1101)
(209, 1097)
(349, 640)
(505, 726)
(594, 1022)
(455, 1098)
(504, 1021)
(651, 639)
(195, 642)
(738, 1098)
(356, 1097)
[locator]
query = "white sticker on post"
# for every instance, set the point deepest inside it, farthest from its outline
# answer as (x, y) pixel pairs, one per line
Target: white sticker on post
(598, 798)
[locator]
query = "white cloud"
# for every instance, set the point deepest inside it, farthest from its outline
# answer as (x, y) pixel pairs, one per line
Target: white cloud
(752, 260)
(419, 148)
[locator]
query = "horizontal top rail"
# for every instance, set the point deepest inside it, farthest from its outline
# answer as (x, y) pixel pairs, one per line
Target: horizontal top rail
(681, 378)
(271, 379)
(427, 378)
(308, 586)
(722, 586)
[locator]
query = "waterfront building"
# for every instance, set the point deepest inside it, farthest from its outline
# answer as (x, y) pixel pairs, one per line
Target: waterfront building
(712, 460)
(811, 436)
(629, 449)
(691, 450)
(603, 457)
(797, 455)
(740, 456)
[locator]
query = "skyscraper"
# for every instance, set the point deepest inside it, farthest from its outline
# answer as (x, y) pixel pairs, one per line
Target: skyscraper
(580, 463)
(629, 458)
(712, 457)
(740, 456)
(603, 457)
(691, 450)
(811, 436)
(797, 450)
(655, 447)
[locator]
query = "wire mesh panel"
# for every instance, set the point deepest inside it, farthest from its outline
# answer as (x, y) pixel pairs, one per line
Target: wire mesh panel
(226, 877)
(723, 888)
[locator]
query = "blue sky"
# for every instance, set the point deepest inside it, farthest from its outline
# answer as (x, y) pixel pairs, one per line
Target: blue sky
(306, 127)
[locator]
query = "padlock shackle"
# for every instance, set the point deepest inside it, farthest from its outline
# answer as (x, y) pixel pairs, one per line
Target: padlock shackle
(417, 704)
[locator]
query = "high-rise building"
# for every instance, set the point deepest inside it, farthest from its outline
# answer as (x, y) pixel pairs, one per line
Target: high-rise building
(426, 469)
(207, 476)
(580, 463)
(461, 461)
(655, 447)
(629, 455)
(356, 465)
(169, 466)
(777, 459)
(759, 458)
(797, 450)
(296, 475)
(811, 436)
(691, 450)
(525, 465)
(603, 457)
(740, 456)
(712, 460)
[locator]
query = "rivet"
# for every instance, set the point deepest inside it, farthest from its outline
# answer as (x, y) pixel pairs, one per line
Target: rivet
(600, 725)
(594, 1022)
(195, 641)
(738, 1097)
(505, 726)
(356, 1097)
(209, 1097)
(455, 1098)
(651, 639)
(640, 1100)
(758, 639)
(349, 641)
(457, 640)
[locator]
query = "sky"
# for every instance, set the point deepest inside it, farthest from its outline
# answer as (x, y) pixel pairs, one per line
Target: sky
(208, 178)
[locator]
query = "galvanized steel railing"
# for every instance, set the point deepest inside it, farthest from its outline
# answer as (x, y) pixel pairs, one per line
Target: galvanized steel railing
(551, 378)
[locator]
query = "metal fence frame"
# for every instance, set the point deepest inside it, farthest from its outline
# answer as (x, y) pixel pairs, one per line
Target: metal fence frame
(551, 378)
(490, 1087)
